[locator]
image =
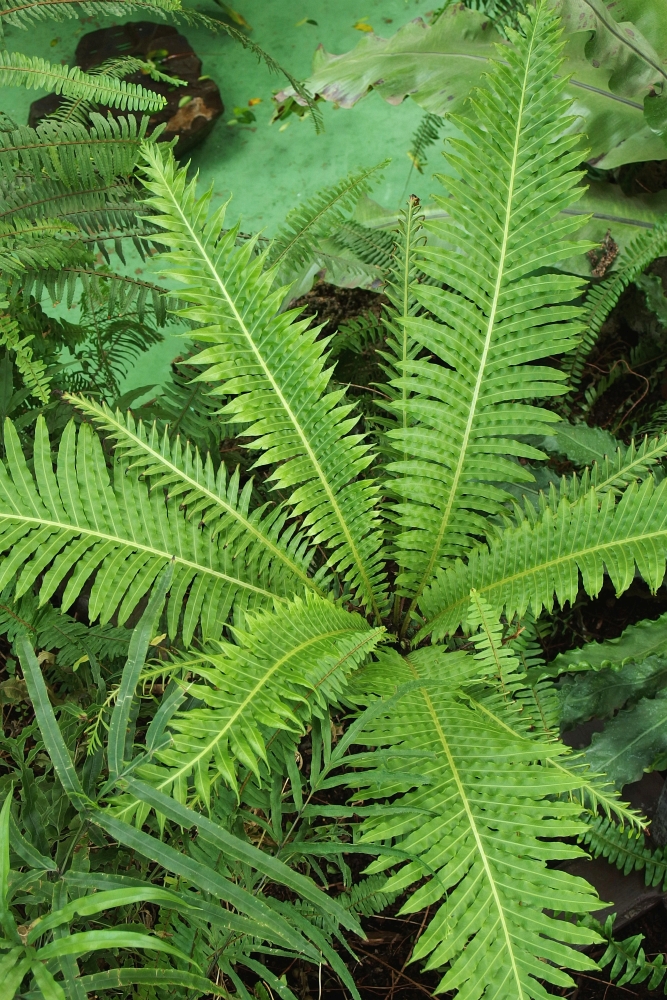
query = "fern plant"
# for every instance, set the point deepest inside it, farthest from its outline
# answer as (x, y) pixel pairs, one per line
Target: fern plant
(381, 569)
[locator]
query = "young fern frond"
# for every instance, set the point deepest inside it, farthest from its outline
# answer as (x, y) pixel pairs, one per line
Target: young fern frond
(477, 781)
(601, 298)
(33, 72)
(535, 564)
(272, 367)
(119, 538)
(173, 465)
(628, 960)
(284, 667)
(297, 242)
(516, 174)
(404, 304)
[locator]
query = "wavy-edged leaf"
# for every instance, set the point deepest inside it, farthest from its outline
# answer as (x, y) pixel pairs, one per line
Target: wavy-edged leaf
(636, 643)
(599, 693)
(515, 176)
(119, 538)
(272, 366)
(631, 741)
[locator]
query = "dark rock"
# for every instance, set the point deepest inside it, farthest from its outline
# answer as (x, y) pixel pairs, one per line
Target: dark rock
(625, 895)
(190, 120)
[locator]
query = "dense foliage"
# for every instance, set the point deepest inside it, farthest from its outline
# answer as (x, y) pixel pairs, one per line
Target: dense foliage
(275, 646)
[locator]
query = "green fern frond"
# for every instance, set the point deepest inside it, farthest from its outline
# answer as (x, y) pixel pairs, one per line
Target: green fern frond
(174, 466)
(426, 134)
(119, 292)
(629, 963)
(631, 741)
(44, 242)
(118, 537)
(601, 298)
(635, 644)
(24, 14)
(626, 849)
(272, 366)
(500, 316)
(107, 148)
(533, 710)
(371, 246)
(32, 369)
(284, 667)
(536, 564)
(357, 335)
(35, 73)
(477, 781)
(297, 242)
(404, 304)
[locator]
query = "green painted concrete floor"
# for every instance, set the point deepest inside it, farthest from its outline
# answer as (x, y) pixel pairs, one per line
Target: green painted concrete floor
(265, 168)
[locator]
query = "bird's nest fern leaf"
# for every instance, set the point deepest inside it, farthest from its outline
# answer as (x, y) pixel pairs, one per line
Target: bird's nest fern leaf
(173, 465)
(272, 367)
(484, 803)
(516, 166)
(73, 526)
(285, 667)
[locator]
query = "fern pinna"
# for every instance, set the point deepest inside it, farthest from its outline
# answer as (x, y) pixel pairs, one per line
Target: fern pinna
(390, 577)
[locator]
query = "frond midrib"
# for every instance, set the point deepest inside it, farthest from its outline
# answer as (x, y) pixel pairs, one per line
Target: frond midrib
(141, 546)
(288, 410)
(453, 490)
(211, 495)
(474, 829)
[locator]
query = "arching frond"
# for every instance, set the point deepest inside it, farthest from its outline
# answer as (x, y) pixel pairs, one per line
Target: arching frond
(284, 667)
(601, 298)
(482, 810)
(537, 564)
(42, 243)
(26, 13)
(107, 148)
(118, 537)
(272, 366)
(173, 465)
(516, 166)
(35, 73)
(318, 217)
(123, 292)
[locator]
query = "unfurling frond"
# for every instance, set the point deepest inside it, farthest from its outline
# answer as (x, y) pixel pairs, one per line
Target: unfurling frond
(119, 536)
(272, 366)
(516, 167)
(285, 667)
(484, 802)
(297, 243)
(35, 73)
